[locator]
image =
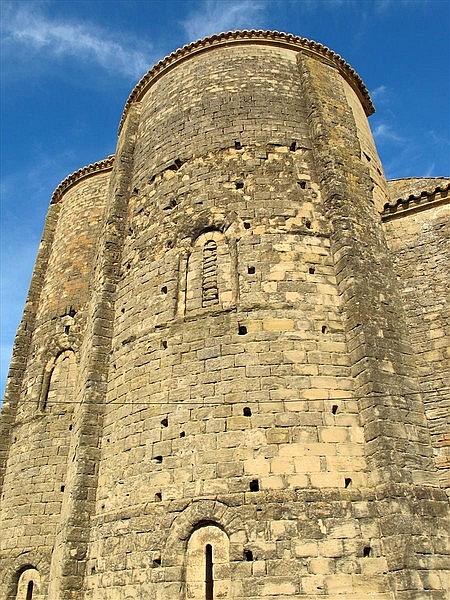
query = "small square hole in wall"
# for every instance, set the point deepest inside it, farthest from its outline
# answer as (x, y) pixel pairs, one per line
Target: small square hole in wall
(164, 289)
(182, 434)
(237, 145)
(347, 482)
(247, 225)
(334, 409)
(158, 459)
(239, 185)
(165, 422)
(63, 487)
(66, 329)
(251, 270)
(248, 555)
(308, 224)
(247, 412)
(164, 344)
(367, 551)
(242, 330)
(302, 183)
(254, 485)
(156, 562)
(293, 146)
(324, 328)
(158, 497)
(312, 270)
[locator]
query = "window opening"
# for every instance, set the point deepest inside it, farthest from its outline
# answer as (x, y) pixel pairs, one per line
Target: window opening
(30, 590)
(254, 485)
(209, 576)
(210, 290)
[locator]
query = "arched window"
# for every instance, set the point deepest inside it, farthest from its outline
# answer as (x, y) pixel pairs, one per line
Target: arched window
(208, 564)
(210, 278)
(59, 382)
(210, 290)
(28, 585)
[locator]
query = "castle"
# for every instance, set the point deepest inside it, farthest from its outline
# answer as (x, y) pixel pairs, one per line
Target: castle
(232, 376)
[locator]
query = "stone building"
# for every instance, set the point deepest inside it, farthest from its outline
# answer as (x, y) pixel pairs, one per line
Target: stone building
(231, 379)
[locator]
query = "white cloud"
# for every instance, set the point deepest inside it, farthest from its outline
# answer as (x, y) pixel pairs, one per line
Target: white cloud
(385, 133)
(26, 26)
(215, 16)
(429, 172)
(379, 94)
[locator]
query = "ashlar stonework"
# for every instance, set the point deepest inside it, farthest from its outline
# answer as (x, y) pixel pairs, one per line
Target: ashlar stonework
(231, 379)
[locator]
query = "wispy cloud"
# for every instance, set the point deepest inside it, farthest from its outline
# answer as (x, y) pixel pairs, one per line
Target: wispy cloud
(383, 132)
(215, 16)
(385, 5)
(430, 170)
(26, 26)
(379, 94)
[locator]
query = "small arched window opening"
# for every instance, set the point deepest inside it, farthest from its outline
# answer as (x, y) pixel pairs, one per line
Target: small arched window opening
(210, 289)
(28, 584)
(208, 564)
(208, 277)
(58, 384)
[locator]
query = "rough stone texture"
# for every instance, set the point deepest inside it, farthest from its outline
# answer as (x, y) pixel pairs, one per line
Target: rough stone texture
(226, 379)
(419, 241)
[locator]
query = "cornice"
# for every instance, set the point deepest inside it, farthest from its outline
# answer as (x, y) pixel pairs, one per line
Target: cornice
(276, 38)
(416, 202)
(97, 167)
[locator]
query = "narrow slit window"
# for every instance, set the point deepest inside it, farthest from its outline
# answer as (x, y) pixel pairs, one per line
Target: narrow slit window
(30, 590)
(209, 574)
(210, 290)
(207, 564)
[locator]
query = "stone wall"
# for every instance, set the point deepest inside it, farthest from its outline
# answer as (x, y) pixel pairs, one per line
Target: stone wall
(35, 471)
(247, 415)
(419, 241)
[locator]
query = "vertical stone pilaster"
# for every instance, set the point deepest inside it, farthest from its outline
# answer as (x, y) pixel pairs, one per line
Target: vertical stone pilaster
(69, 555)
(397, 441)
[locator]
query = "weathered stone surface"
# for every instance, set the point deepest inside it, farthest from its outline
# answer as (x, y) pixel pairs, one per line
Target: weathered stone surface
(231, 378)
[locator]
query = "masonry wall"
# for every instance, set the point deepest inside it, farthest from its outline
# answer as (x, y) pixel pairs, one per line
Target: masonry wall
(35, 470)
(237, 411)
(420, 245)
(247, 420)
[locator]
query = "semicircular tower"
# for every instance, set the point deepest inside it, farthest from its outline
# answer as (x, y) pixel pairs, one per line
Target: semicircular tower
(249, 408)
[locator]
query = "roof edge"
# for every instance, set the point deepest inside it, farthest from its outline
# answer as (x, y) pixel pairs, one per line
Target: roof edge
(106, 164)
(243, 36)
(415, 202)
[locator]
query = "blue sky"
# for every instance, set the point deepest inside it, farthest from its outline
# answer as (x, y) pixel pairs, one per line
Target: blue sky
(68, 67)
